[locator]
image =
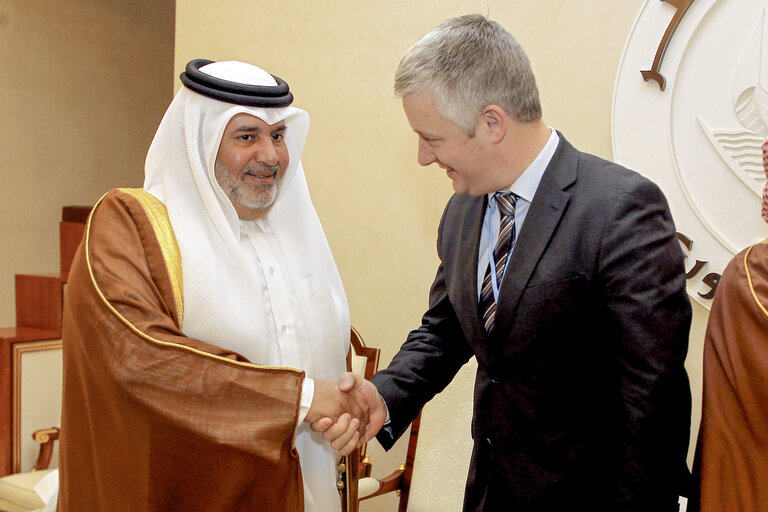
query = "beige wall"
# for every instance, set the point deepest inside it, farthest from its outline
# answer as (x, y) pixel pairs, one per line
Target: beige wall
(82, 88)
(379, 208)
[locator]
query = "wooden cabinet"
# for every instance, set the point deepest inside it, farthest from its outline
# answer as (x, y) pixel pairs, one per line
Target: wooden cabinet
(30, 354)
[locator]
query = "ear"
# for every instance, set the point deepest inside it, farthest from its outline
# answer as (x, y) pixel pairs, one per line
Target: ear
(495, 122)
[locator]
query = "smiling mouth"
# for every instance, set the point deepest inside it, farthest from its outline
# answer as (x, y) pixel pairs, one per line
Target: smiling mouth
(262, 175)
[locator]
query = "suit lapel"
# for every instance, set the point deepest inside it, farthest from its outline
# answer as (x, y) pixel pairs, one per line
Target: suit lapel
(546, 209)
(464, 262)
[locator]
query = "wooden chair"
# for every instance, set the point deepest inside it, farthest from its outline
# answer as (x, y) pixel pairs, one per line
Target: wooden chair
(355, 482)
(19, 492)
(46, 437)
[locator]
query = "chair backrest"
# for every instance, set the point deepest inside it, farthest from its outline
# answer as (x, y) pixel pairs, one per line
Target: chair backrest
(441, 442)
(445, 447)
(356, 473)
(362, 361)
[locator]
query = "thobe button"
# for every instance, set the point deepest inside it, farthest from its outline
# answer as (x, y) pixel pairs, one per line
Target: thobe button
(271, 270)
(283, 328)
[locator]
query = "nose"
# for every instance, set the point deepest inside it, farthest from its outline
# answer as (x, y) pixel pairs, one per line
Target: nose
(266, 153)
(425, 154)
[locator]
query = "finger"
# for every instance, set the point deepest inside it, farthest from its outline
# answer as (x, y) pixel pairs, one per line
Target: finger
(321, 425)
(337, 429)
(344, 439)
(369, 433)
(360, 407)
(346, 381)
(378, 417)
(351, 445)
(339, 434)
(363, 427)
(358, 403)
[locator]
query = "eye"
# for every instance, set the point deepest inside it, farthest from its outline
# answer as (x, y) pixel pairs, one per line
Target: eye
(245, 137)
(278, 137)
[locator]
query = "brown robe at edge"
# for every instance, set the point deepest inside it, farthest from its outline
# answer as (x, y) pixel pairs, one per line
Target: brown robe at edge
(732, 452)
(151, 426)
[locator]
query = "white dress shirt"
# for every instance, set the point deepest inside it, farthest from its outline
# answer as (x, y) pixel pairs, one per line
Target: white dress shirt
(524, 188)
(284, 328)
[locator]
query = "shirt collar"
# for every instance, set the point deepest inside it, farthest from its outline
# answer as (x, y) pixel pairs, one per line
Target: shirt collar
(526, 184)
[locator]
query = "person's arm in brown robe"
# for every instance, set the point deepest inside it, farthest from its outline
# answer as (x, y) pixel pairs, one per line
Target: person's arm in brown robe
(151, 417)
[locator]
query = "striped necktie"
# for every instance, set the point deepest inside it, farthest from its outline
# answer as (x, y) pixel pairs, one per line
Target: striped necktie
(506, 201)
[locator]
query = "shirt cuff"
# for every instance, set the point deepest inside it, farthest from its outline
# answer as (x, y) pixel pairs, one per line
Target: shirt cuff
(388, 420)
(387, 427)
(307, 393)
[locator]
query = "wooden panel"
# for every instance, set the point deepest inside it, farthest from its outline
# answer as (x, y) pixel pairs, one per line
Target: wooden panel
(8, 338)
(38, 321)
(70, 235)
(17, 334)
(39, 300)
(6, 408)
(76, 213)
(36, 374)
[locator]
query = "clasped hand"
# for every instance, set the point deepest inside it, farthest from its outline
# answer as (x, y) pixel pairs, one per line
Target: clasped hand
(348, 412)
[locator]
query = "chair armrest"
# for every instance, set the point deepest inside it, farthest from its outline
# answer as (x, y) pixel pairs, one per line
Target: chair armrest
(46, 437)
(387, 484)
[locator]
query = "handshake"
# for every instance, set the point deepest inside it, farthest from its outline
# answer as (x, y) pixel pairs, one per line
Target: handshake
(348, 413)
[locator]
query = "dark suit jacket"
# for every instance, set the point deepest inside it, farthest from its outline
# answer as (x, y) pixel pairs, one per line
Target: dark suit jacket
(581, 398)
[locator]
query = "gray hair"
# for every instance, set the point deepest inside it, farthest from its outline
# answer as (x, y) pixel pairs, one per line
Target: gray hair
(468, 63)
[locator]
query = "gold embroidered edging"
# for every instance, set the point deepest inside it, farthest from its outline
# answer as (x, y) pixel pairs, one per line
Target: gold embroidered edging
(146, 337)
(749, 280)
(161, 225)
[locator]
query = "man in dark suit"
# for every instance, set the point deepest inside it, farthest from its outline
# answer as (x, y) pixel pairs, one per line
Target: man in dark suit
(570, 292)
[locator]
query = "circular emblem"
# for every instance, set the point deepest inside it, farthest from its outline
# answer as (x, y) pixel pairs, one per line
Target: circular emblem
(690, 112)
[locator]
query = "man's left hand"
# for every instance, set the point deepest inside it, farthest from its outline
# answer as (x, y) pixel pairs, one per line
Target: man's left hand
(341, 434)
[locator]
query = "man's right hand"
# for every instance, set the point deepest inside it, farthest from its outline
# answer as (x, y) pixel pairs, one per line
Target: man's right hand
(341, 433)
(330, 401)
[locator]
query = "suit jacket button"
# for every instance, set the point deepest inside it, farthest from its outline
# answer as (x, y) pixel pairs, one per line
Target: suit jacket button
(494, 381)
(488, 441)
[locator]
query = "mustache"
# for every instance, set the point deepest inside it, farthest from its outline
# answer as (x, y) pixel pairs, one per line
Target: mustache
(262, 170)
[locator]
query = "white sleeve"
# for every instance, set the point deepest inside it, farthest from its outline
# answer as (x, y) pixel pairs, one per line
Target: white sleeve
(307, 393)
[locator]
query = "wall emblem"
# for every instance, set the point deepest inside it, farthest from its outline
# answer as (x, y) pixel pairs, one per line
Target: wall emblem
(690, 111)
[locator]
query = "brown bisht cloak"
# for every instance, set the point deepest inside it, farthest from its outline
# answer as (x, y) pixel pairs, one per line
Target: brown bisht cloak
(153, 420)
(732, 451)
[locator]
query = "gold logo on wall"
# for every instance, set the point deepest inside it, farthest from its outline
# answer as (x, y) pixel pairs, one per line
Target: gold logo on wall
(700, 140)
(654, 74)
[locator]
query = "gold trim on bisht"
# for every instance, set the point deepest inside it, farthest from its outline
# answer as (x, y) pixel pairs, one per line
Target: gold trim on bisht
(138, 331)
(749, 280)
(161, 224)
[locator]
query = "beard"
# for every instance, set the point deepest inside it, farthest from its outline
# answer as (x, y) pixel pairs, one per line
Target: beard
(253, 196)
